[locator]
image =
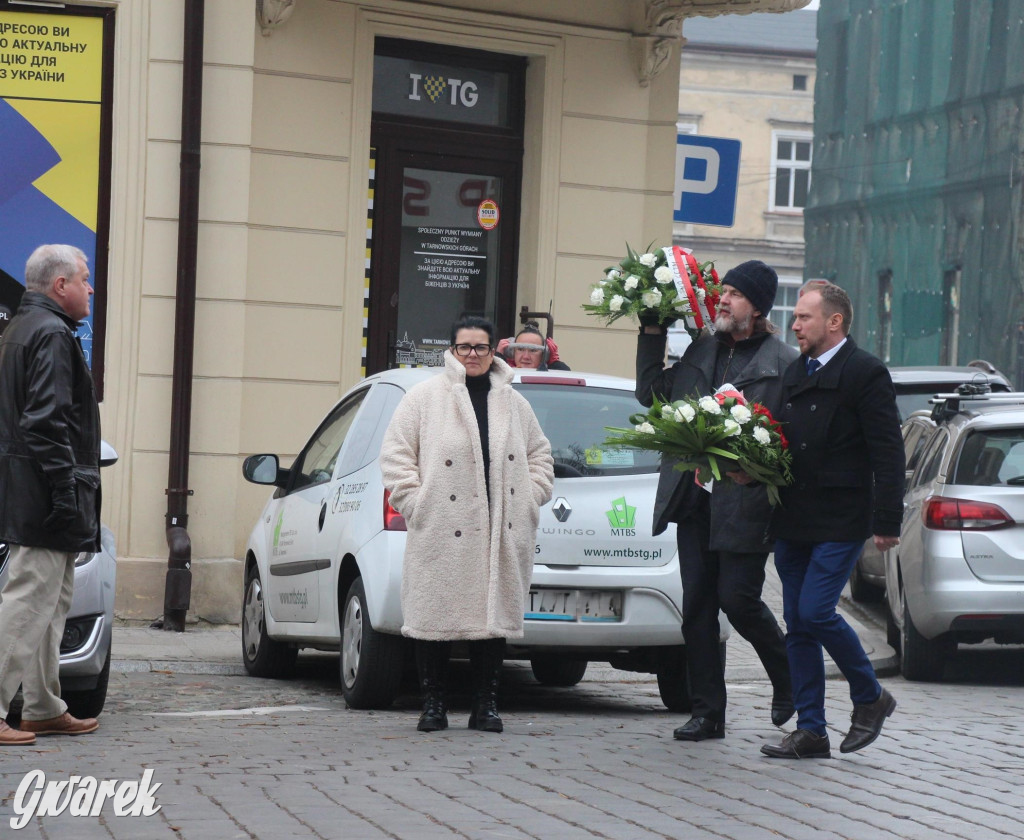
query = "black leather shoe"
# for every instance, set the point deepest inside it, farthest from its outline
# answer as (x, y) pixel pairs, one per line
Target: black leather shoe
(699, 729)
(866, 722)
(782, 710)
(800, 744)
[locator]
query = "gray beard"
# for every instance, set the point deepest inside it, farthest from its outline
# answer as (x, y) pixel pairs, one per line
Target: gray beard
(730, 324)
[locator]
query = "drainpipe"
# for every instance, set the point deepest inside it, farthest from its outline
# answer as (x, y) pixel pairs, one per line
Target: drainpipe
(178, 584)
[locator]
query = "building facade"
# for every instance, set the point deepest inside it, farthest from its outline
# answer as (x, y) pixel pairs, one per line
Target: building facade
(916, 207)
(367, 171)
(752, 78)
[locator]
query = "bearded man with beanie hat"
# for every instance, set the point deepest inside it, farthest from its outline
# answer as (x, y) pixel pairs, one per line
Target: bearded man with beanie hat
(722, 534)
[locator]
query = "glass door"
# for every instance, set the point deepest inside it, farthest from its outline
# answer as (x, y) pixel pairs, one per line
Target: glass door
(446, 248)
(447, 136)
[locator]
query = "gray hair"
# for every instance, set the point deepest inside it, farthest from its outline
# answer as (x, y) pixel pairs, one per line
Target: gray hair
(48, 262)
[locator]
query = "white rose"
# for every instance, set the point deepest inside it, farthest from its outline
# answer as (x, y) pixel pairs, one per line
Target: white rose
(732, 428)
(597, 296)
(663, 274)
(701, 294)
(645, 428)
(615, 304)
(685, 413)
(709, 405)
(612, 273)
(651, 298)
(740, 413)
(631, 282)
(667, 411)
(648, 259)
(761, 435)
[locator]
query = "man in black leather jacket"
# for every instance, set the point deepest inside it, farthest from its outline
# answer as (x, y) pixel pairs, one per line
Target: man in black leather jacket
(722, 536)
(49, 485)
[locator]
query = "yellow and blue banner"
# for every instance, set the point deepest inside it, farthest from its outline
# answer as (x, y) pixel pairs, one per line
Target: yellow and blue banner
(51, 117)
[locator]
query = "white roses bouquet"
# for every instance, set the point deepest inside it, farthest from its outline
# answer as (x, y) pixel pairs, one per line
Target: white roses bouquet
(714, 435)
(658, 287)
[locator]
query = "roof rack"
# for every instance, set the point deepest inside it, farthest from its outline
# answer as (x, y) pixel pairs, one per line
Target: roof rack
(945, 406)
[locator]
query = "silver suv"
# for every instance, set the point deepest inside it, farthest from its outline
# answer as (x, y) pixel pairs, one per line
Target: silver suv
(957, 576)
(915, 386)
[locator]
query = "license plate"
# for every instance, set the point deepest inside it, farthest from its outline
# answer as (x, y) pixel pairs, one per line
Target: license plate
(574, 605)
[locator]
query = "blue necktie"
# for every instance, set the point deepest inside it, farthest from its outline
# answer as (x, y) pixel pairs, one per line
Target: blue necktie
(812, 365)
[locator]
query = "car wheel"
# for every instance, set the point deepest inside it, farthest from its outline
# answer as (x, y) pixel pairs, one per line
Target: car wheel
(673, 684)
(921, 659)
(558, 671)
(89, 703)
(861, 589)
(262, 656)
(371, 662)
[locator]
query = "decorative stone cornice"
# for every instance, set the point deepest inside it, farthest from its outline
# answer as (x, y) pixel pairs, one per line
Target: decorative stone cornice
(663, 23)
(272, 13)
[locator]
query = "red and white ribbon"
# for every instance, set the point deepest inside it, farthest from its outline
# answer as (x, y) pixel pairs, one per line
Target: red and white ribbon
(682, 264)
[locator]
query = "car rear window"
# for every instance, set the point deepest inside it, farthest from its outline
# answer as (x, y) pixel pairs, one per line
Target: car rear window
(574, 419)
(992, 457)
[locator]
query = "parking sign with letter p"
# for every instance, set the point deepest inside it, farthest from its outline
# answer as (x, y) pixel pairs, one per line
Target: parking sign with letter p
(707, 173)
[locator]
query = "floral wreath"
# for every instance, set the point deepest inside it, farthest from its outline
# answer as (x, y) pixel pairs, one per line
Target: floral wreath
(659, 286)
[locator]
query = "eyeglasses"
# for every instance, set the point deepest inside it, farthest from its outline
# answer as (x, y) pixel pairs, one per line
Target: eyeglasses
(480, 349)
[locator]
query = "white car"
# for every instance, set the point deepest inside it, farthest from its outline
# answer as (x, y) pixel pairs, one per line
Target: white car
(85, 645)
(323, 566)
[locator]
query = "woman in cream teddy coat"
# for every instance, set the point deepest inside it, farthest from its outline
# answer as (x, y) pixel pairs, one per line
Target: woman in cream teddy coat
(470, 545)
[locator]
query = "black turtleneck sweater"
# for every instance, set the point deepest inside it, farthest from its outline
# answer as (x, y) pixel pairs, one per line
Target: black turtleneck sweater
(479, 387)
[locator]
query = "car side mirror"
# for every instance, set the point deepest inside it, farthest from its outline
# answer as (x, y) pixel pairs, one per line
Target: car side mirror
(264, 469)
(108, 455)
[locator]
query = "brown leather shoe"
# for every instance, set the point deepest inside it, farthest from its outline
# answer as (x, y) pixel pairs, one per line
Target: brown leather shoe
(801, 743)
(63, 725)
(866, 722)
(11, 737)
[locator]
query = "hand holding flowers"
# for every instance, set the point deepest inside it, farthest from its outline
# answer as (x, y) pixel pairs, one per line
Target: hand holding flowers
(658, 287)
(714, 435)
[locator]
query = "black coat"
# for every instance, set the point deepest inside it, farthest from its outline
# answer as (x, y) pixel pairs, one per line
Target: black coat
(49, 428)
(739, 515)
(848, 461)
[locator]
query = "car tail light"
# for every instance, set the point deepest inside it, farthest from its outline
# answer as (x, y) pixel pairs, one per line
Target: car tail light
(393, 520)
(961, 515)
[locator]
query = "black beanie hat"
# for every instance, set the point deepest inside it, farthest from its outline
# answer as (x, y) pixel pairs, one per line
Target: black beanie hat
(756, 281)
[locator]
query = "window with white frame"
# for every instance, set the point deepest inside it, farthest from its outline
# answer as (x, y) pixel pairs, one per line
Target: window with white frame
(791, 170)
(785, 301)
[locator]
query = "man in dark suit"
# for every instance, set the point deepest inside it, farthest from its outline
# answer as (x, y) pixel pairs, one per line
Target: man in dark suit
(722, 535)
(839, 407)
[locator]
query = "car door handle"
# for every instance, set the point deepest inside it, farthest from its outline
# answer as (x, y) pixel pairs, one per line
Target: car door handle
(323, 515)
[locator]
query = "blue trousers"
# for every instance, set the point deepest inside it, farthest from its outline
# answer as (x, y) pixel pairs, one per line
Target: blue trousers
(813, 576)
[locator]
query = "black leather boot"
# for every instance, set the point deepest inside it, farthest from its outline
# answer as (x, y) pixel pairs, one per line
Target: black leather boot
(486, 657)
(432, 665)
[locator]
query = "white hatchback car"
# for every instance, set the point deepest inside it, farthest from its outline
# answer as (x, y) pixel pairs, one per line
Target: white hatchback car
(323, 566)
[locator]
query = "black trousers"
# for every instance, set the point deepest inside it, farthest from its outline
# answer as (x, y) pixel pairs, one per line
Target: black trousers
(732, 582)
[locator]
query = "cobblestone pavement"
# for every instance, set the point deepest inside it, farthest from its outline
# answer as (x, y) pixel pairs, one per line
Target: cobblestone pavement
(246, 758)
